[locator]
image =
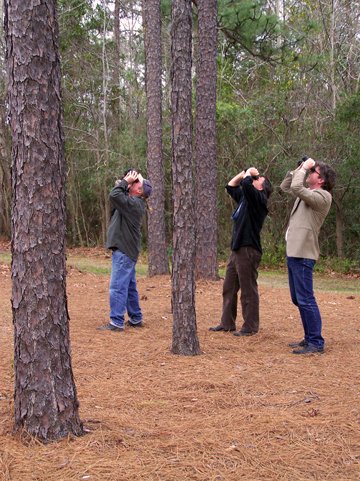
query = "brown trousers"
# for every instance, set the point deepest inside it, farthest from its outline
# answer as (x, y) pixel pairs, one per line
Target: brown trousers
(242, 273)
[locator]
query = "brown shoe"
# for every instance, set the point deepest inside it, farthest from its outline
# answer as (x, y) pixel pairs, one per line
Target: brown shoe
(220, 328)
(133, 324)
(242, 333)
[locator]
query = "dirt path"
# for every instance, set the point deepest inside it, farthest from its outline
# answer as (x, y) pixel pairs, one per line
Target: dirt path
(246, 409)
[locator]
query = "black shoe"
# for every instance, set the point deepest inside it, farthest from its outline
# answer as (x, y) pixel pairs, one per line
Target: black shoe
(242, 333)
(132, 324)
(110, 327)
(302, 343)
(220, 328)
(309, 349)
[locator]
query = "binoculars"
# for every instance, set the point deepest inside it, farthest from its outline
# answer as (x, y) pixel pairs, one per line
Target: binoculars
(302, 160)
(255, 177)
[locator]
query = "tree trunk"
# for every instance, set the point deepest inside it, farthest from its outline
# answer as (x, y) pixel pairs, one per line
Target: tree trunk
(205, 143)
(5, 175)
(45, 401)
(185, 339)
(332, 57)
(5, 183)
(339, 227)
(116, 69)
(157, 255)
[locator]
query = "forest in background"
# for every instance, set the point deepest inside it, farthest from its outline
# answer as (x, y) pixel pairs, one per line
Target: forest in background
(287, 86)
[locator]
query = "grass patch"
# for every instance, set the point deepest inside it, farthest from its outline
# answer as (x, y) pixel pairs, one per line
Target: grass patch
(94, 265)
(88, 265)
(323, 281)
(5, 258)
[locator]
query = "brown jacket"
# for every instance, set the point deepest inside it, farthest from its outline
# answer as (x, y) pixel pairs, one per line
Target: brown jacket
(307, 216)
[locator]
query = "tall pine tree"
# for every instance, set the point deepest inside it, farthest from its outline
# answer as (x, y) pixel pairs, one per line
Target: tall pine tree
(46, 403)
(185, 340)
(157, 255)
(205, 142)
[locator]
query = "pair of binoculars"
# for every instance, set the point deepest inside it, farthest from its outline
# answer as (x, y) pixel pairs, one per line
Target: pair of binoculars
(255, 177)
(302, 160)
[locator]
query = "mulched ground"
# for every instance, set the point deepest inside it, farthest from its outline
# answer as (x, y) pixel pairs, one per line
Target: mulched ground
(246, 409)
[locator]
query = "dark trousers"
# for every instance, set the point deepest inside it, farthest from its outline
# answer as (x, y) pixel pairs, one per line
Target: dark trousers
(300, 273)
(241, 274)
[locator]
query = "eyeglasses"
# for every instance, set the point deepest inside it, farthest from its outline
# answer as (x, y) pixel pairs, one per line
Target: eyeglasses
(313, 169)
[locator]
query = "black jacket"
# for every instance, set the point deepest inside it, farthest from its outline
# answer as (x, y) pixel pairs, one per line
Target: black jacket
(124, 232)
(249, 215)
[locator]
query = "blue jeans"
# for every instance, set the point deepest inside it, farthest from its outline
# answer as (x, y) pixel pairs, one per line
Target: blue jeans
(300, 272)
(123, 291)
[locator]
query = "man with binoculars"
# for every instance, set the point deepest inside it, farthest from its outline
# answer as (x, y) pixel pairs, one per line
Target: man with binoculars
(251, 192)
(128, 201)
(311, 183)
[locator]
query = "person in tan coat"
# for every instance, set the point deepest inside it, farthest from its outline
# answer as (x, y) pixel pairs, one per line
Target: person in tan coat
(311, 183)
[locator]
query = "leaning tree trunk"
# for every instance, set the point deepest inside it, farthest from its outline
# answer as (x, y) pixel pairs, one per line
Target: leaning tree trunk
(205, 143)
(46, 404)
(185, 339)
(157, 255)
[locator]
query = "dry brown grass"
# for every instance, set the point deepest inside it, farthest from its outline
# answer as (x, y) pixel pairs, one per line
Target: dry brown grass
(246, 409)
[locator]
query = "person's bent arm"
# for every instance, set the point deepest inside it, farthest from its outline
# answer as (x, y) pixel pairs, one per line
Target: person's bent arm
(317, 199)
(235, 181)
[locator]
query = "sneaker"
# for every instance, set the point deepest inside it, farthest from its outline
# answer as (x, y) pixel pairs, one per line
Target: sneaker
(309, 349)
(110, 327)
(135, 324)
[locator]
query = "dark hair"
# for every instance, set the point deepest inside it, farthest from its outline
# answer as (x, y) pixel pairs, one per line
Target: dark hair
(267, 187)
(328, 175)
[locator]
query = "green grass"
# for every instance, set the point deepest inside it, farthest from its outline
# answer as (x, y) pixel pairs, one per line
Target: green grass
(94, 265)
(5, 258)
(269, 277)
(322, 282)
(89, 265)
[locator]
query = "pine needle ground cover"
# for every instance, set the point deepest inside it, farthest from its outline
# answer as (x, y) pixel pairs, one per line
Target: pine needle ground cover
(246, 409)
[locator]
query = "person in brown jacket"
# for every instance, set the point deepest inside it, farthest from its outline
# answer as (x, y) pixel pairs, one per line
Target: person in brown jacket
(251, 192)
(311, 183)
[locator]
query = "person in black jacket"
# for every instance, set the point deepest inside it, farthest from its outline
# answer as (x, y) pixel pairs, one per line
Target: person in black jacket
(251, 192)
(124, 234)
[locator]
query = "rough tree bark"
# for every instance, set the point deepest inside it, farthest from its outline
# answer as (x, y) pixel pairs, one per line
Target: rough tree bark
(185, 340)
(46, 403)
(157, 255)
(205, 143)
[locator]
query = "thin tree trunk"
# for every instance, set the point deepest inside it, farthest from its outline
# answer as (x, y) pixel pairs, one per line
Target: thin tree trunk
(185, 339)
(332, 57)
(116, 70)
(105, 74)
(5, 184)
(45, 398)
(339, 226)
(5, 175)
(205, 143)
(157, 255)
